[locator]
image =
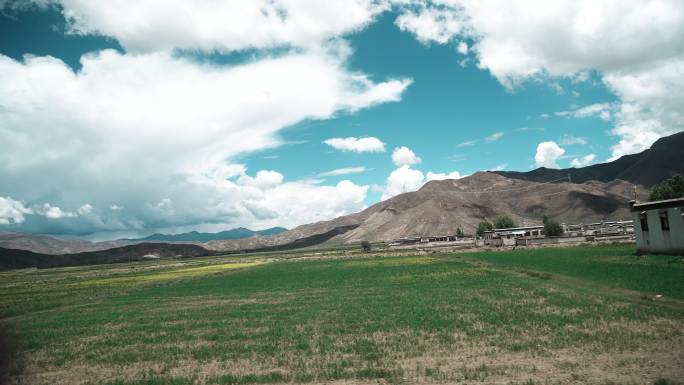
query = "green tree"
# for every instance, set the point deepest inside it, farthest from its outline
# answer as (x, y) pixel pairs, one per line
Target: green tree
(484, 226)
(459, 232)
(552, 228)
(366, 246)
(503, 222)
(668, 189)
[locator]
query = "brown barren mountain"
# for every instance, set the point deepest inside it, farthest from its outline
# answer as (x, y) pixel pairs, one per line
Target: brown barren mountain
(440, 207)
(46, 244)
(597, 192)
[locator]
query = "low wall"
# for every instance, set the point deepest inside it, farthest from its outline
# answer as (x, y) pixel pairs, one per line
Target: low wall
(499, 243)
(423, 245)
(549, 241)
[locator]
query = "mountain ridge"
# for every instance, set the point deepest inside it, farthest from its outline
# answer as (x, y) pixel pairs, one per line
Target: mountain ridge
(591, 193)
(646, 168)
(440, 207)
(194, 236)
(53, 245)
(21, 259)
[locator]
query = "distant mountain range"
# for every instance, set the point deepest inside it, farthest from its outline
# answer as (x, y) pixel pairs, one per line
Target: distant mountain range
(20, 259)
(593, 193)
(440, 207)
(194, 236)
(647, 168)
(47, 244)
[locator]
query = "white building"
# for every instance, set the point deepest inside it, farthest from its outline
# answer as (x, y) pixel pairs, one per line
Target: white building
(659, 226)
(508, 236)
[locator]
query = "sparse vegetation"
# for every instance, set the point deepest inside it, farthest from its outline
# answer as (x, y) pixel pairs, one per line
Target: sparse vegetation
(484, 226)
(504, 222)
(670, 188)
(531, 316)
(552, 228)
(366, 246)
(459, 232)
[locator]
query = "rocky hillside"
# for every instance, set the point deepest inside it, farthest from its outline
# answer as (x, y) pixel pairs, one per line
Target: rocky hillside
(440, 207)
(596, 192)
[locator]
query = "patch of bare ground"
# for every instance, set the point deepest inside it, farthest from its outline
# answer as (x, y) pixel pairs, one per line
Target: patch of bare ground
(470, 362)
(200, 371)
(490, 365)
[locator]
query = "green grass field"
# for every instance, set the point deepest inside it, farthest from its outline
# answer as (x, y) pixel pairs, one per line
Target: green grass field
(585, 315)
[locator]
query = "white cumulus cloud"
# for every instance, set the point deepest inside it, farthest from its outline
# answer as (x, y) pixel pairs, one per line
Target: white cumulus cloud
(432, 24)
(264, 179)
(652, 98)
(442, 176)
(403, 156)
(227, 25)
(462, 48)
(547, 154)
(53, 212)
(403, 179)
(353, 144)
(583, 161)
(12, 211)
(160, 126)
(85, 209)
(295, 203)
(636, 47)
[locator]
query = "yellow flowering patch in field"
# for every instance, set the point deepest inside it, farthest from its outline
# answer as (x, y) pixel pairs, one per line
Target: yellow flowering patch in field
(166, 275)
(391, 262)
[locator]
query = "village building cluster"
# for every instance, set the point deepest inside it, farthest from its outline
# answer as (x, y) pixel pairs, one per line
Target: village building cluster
(527, 235)
(657, 227)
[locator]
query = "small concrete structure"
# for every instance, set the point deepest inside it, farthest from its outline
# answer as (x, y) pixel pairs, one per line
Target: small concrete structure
(605, 228)
(507, 237)
(659, 226)
(438, 240)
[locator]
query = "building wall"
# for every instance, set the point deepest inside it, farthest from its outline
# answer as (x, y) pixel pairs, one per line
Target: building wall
(549, 241)
(656, 240)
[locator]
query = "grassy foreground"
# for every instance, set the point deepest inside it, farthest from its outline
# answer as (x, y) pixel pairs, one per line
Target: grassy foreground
(580, 315)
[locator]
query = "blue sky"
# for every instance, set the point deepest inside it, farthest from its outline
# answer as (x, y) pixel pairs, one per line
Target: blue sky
(120, 147)
(446, 105)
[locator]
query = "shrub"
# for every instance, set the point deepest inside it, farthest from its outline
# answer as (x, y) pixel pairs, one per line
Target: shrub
(668, 189)
(552, 228)
(366, 246)
(503, 222)
(484, 226)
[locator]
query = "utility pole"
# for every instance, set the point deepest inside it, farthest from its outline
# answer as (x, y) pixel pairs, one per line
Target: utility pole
(636, 195)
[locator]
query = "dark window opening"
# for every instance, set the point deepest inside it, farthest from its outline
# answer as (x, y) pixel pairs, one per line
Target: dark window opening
(644, 222)
(664, 221)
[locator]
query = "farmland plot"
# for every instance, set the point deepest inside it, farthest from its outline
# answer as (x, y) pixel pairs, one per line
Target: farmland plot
(510, 318)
